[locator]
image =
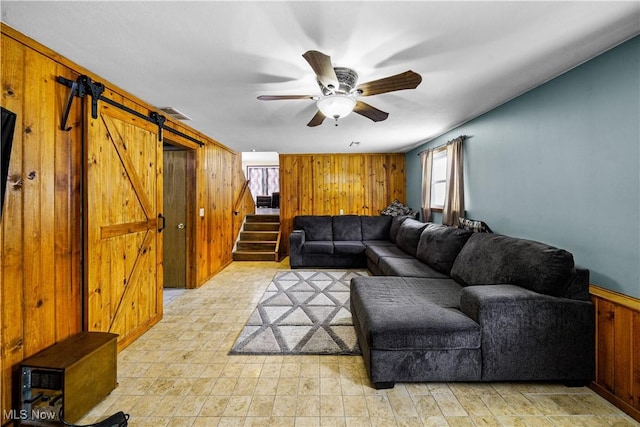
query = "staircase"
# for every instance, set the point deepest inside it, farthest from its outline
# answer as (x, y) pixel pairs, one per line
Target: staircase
(259, 239)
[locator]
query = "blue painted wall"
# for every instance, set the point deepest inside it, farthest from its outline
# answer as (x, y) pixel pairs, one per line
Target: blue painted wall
(561, 164)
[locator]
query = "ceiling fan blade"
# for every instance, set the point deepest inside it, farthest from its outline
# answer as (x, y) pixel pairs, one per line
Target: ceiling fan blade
(316, 120)
(322, 66)
(406, 80)
(370, 112)
(281, 97)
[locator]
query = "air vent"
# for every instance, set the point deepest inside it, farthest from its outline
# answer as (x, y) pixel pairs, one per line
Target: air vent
(175, 113)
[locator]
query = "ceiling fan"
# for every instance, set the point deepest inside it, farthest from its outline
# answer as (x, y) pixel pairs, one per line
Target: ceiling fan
(340, 93)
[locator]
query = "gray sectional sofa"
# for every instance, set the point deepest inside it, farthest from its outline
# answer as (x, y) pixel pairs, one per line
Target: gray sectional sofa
(336, 241)
(447, 304)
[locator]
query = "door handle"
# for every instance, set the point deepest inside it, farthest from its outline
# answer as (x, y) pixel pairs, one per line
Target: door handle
(181, 226)
(161, 218)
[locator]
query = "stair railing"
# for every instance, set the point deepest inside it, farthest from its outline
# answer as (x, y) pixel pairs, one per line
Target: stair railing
(277, 251)
(241, 198)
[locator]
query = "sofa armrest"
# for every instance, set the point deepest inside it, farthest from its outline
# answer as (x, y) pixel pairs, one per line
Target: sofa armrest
(296, 241)
(531, 336)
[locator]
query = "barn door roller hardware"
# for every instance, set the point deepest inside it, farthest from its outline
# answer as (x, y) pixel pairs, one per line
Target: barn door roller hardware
(79, 88)
(84, 85)
(158, 119)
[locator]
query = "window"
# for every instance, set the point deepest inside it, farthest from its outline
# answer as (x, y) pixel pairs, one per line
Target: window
(438, 179)
(263, 180)
(442, 181)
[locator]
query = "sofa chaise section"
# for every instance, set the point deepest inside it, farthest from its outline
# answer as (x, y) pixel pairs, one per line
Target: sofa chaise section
(411, 329)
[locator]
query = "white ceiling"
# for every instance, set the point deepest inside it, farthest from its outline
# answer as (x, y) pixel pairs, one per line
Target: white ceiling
(210, 60)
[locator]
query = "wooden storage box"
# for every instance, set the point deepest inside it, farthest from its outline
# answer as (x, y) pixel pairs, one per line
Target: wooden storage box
(73, 375)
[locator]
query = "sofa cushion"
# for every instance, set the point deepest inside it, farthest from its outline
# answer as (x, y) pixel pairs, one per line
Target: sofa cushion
(491, 259)
(316, 227)
(368, 243)
(407, 267)
(406, 314)
(346, 227)
(443, 292)
(439, 246)
(317, 247)
(348, 247)
(396, 222)
(375, 227)
(427, 327)
(409, 235)
(578, 286)
(374, 253)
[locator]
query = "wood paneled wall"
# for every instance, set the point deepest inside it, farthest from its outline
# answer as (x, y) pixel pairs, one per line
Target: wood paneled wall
(324, 184)
(617, 349)
(217, 172)
(41, 230)
(40, 233)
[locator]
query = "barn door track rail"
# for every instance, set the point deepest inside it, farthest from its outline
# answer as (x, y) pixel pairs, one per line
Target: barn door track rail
(83, 85)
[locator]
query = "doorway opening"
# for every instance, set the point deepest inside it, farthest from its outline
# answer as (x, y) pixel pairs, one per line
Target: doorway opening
(179, 201)
(263, 172)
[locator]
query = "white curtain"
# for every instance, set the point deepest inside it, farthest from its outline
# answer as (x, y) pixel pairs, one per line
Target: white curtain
(454, 193)
(263, 180)
(426, 158)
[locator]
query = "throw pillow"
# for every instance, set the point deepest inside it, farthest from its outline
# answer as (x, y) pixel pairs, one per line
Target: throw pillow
(473, 225)
(397, 208)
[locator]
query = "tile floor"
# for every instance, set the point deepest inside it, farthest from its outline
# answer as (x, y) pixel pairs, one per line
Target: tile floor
(179, 374)
(169, 294)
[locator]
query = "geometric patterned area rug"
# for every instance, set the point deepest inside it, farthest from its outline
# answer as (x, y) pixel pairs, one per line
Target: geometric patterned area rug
(302, 312)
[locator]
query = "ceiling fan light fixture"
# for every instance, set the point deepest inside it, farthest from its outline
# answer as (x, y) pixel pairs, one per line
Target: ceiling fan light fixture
(340, 95)
(336, 106)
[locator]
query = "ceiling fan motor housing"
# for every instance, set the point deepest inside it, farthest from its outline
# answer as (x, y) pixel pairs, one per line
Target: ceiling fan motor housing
(347, 79)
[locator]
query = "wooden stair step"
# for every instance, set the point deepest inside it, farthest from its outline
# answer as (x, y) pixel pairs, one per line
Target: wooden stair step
(258, 235)
(254, 256)
(261, 226)
(258, 239)
(262, 218)
(256, 245)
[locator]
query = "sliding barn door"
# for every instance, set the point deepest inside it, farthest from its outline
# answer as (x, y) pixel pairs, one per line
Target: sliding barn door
(123, 186)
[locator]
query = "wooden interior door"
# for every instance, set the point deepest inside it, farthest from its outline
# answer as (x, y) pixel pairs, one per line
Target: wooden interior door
(123, 194)
(175, 211)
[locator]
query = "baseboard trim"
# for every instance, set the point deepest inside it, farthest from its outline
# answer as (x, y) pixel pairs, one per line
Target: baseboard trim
(615, 400)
